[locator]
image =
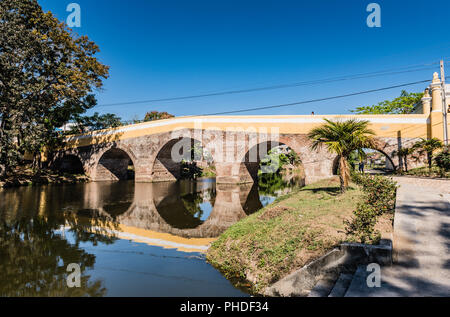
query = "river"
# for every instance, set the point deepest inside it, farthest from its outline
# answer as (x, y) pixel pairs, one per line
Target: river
(129, 239)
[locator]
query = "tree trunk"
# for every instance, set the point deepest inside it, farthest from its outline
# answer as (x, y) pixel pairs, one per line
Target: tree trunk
(2, 171)
(429, 157)
(344, 174)
(37, 163)
(406, 163)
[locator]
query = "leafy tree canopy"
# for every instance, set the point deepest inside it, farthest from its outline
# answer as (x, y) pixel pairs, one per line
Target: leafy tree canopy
(343, 138)
(428, 146)
(48, 75)
(96, 122)
(155, 115)
(401, 105)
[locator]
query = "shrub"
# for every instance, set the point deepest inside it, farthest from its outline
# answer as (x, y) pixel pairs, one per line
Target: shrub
(362, 226)
(443, 160)
(379, 198)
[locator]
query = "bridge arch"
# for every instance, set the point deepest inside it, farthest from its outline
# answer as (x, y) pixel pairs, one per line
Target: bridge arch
(169, 158)
(251, 160)
(113, 164)
(387, 150)
(69, 163)
(381, 147)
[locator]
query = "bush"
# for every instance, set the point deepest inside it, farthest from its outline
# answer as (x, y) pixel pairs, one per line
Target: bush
(443, 160)
(190, 170)
(379, 198)
(362, 226)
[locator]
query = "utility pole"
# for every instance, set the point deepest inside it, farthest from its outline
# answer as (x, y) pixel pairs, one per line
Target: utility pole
(444, 101)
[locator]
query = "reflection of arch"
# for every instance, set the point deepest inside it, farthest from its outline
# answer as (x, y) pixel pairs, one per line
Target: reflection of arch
(69, 163)
(252, 203)
(113, 199)
(168, 161)
(250, 163)
(113, 165)
(226, 211)
(180, 207)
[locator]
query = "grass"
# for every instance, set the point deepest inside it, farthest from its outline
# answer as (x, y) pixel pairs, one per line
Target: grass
(209, 171)
(435, 172)
(289, 233)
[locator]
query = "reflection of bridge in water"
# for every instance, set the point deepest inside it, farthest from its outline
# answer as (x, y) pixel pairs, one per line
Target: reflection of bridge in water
(168, 213)
(184, 209)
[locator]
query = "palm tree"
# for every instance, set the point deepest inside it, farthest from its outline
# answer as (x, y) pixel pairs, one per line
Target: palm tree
(342, 138)
(428, 146)
(403, 153)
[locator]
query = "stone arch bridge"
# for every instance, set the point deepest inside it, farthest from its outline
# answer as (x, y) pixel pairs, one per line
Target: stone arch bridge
(235, 143)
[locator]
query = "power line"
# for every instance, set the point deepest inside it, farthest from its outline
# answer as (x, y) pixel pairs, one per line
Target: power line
(401, 70)
(308, 101)
(315, 100)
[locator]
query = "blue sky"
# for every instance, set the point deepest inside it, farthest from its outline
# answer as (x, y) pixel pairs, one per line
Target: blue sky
(170, 48)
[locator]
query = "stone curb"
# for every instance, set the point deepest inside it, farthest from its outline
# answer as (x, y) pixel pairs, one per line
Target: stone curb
(346, 258)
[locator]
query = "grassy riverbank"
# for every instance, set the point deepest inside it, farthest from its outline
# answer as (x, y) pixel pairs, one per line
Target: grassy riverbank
(284, 236)
(24, 176)
(434, 172)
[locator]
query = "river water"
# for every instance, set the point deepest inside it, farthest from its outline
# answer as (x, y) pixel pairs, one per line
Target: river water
(127, 239)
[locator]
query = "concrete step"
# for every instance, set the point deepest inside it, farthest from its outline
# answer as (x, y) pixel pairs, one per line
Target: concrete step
(341, 286)
(358, 286)
(323, 287)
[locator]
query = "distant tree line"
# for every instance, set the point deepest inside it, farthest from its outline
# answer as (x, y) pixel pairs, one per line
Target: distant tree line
(98, 121)
(404, 104)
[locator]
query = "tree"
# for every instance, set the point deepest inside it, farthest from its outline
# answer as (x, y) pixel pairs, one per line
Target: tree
(401, 105)
(96, 122)
(443, 160)
(403, 154)
(47, 76)
(428, 146)
(342, 138)
(155, 115)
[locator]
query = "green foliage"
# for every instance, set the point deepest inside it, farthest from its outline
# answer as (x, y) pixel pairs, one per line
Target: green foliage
(401, 105)
(404, 153)
(379, 198)
(155, 115)
(269, 184)
(190, 170)
(362, 226)
(442, 160)
(192, 203)
(48, 75)
(343, 138)
(428, 146)
(95, 122)
(275, 160)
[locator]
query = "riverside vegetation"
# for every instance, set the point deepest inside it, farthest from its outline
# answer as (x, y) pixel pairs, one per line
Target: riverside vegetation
(302, 226)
